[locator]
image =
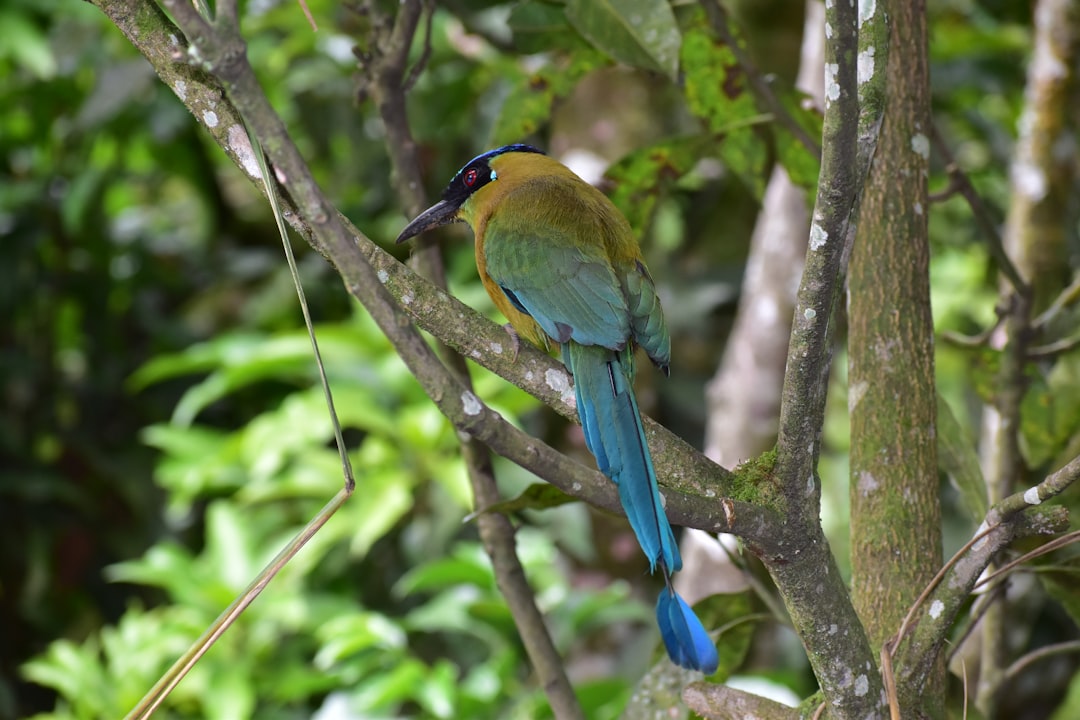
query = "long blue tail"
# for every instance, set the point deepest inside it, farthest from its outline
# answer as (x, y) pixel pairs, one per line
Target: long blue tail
(604, 384)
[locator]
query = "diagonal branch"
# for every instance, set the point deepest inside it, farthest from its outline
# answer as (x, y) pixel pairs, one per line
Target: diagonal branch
(376, 279)
(1016, 516)
(388, 85)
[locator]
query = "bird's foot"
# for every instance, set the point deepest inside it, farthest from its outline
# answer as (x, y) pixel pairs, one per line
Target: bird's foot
(515, 341)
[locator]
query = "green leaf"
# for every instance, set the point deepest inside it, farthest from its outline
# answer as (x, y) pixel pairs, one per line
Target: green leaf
(1063, 584)
(540, 26)
(347, 635)
(603, 698)
(1070, 706)
(640, 33)
(439, 690)
(538, 496)
(397, 684)
(717, 89)
(731, 614)
(957, 458)
(530, 102)
(462, 569)
(802, 166)
(25, 43)
(641, 177)
(1050, 411)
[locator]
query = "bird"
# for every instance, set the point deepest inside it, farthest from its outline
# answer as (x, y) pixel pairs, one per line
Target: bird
(562, 264)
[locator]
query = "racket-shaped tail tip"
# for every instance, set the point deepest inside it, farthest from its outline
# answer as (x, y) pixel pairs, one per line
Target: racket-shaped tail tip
(688, 644)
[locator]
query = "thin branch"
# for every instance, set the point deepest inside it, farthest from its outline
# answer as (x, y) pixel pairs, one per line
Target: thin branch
(979, 210)
(1068, 297)
(307, 13)
(1018, 515)
(1062, 648)
(425, 54)
(1055, 544)
(1052, 350)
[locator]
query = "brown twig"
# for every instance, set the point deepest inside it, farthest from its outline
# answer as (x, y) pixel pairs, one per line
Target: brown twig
(1061, 648)
(1016, 516)
(979, 210)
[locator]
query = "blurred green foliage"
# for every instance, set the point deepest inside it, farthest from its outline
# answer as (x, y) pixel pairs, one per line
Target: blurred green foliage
(162, 430)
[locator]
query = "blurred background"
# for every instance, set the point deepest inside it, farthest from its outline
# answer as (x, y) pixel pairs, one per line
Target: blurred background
(162, 432)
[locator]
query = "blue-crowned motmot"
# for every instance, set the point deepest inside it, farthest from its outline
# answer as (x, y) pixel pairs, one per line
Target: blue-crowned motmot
(562, 264)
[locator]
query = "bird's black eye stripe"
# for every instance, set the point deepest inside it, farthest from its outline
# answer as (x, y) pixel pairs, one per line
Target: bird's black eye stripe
(469, 179)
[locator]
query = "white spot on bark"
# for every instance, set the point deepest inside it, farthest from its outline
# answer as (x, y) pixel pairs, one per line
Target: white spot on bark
(917, 207)
(809, 314)
(1031, 496)
(867, 483)
(832, 88)
(855, 394)
(936, 608)
(864, 65)
(407, 298)
(210, 118)
(818, 237)
(810, 485)
(833, 628)
(920, 145)
(828, 30)
(529, 375)
(559, 381)
(576, 487)
(470, 404)
(496, 348)
(862, 685)
(383, 276)
(866, 10)
(181, 89)
(979, 531)
(241, 147)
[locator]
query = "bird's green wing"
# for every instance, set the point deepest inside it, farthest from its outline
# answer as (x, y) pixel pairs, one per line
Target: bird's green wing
(646, 317)
(560, 276)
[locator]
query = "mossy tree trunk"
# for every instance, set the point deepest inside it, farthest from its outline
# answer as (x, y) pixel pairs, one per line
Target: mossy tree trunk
(895, 509)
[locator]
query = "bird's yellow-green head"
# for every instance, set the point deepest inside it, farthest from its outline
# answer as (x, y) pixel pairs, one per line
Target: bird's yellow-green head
(475, 175)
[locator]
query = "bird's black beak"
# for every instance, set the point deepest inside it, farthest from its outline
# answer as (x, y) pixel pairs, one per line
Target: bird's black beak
(441, 213)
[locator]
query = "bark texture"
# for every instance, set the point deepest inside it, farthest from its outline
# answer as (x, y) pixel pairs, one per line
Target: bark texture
(895, 509)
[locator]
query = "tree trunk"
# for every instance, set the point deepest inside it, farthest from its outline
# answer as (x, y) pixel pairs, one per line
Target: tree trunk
(895, 511)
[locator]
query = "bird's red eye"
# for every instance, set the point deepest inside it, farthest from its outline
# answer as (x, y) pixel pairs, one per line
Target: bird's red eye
(470, 177)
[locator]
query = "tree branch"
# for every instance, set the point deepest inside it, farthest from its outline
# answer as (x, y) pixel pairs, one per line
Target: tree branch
(720, 702)
(798, 558)
(920, 637)
(373, 276)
